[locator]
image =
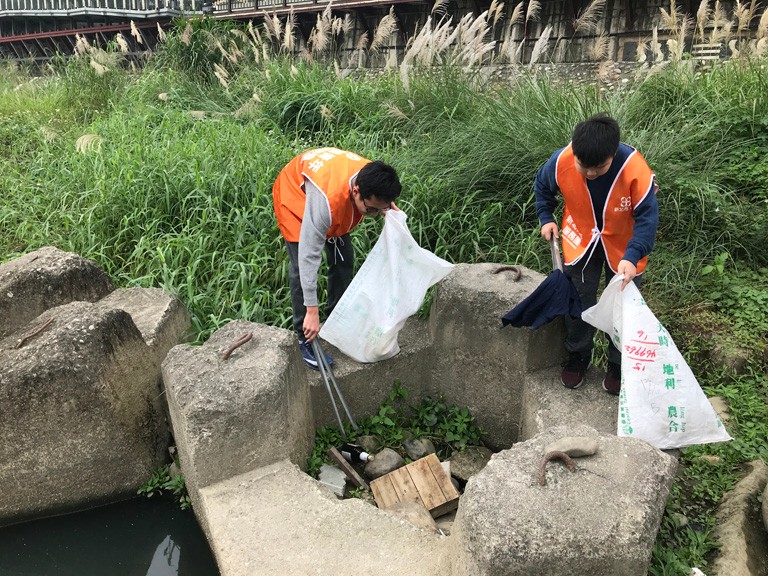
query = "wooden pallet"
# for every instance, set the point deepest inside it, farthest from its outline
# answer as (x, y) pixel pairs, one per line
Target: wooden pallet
(423, 482)
(706, 51)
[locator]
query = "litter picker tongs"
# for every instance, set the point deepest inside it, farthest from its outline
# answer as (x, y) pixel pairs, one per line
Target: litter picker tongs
(325, 372)
(554, 248)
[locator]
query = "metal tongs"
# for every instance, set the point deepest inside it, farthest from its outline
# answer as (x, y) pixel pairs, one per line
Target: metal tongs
(325, 372)
(554, 249)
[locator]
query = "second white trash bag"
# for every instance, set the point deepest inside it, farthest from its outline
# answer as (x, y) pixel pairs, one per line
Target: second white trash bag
(389, 287)
(660, 402)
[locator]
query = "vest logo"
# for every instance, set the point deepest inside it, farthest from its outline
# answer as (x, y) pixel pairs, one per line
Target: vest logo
(625, 204)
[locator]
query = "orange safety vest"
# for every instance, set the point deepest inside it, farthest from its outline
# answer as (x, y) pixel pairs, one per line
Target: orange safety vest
(332, 171)
(633, 183)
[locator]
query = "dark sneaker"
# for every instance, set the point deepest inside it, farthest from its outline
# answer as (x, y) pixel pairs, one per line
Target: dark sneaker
(574, 369)
(612, 380)
(309, 355)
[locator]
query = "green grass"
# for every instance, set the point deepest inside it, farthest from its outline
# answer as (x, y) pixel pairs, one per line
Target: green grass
(183, 201)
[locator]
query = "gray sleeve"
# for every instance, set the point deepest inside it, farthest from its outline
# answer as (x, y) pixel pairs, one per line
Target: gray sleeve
(314, 227)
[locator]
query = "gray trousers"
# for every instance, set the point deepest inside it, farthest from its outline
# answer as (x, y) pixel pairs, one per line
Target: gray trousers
(580, 335)
(340, 260)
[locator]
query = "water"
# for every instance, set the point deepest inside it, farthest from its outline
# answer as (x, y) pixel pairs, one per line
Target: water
(140, 537)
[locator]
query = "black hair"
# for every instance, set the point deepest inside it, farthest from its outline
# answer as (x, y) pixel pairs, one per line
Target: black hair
(380, 180)
(595, 140)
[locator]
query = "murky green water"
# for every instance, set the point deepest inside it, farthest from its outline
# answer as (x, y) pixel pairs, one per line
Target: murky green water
(141, 537)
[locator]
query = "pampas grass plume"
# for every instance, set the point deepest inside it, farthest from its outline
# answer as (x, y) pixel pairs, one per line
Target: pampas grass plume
(540, 47)
(186, 35)
(587, 21)
(534, 7)
(384, 30)
(122, 43)
(88, 142)
(136, 34)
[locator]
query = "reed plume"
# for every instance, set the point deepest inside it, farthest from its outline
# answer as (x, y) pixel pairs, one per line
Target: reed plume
(161, 35)
(540, 48)
(517, 15)
(122, 43)
(136, 34)
(702, 17)
(319, 38)
(81, 45)
(641, 52)
(676, 44)
(743, 16)
(534, 7)
(99, 68)
(347, 24)
(762, 27)
(272, 27)
(497, 13)
(384, 30)
(440, 7)
(255, 34)
(289, 37)
(362, 42)
(220, 71)
(669, 19)
(599, 49)
(186, 34)
(88, 142)
(588, 21)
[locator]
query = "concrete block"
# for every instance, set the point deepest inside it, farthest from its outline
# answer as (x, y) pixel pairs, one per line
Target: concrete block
(600, 520)
(481, 365)
(235, 415)
(43, 279)
(80, 417)
(278, 521)
(548, 403)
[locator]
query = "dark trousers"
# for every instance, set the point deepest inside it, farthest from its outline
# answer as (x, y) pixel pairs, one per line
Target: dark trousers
(340, 259)
(580, 335)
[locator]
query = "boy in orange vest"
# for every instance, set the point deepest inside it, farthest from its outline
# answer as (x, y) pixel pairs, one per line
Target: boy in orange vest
(319, 197)
(609, 226)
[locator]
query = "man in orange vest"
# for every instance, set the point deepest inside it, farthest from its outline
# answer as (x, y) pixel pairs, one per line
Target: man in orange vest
(609, 226)
(319, 197)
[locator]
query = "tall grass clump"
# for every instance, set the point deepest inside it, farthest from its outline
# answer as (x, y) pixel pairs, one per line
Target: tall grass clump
(90, 80)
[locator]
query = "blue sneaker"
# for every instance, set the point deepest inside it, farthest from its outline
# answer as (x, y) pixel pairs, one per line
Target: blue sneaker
(309, 355)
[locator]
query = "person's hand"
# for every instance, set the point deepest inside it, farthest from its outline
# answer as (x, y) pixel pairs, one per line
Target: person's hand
(311, 323)
(393, 206)
(548, 230)
(629, 270)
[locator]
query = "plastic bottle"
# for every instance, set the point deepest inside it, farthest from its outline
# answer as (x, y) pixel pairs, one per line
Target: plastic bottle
(354, 453)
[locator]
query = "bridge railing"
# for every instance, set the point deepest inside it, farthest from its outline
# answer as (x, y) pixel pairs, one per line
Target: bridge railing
(250, 5)
(36, 7)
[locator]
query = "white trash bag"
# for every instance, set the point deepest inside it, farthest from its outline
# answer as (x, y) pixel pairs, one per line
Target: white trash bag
(389, 287)
(660, 402)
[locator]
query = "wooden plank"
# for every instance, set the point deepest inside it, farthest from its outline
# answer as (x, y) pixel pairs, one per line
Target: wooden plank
(424, 482)
(706, 51)
(450, 494)
(384, 492)
(449, 490)
(403, 483)
(428, 487)
(346, 467)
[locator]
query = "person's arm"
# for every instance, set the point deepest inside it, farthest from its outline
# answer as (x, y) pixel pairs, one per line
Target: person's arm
(314, 228)
(646, 215)
(545, 190)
